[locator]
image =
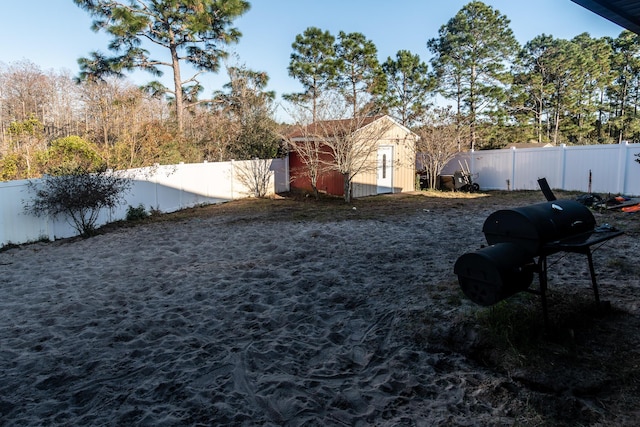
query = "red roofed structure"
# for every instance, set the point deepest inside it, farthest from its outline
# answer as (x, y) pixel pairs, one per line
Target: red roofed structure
(381, 150)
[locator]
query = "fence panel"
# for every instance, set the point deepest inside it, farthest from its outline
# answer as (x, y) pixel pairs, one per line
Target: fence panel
(495, 168)
(613, 168)
(163, 188)
(530, 164)
(602, 163)
(629, 169)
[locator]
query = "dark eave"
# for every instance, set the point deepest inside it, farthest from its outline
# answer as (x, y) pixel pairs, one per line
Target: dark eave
(625, 13)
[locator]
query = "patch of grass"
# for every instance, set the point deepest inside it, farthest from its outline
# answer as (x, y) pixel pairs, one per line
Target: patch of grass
(298, 207)
(512, 327)
(450, 194)
(10, 245)
(454, 299)
(7, 246)
(448, 292)
(622, 265)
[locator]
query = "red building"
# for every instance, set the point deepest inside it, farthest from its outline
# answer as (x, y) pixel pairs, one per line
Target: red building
(382, 150)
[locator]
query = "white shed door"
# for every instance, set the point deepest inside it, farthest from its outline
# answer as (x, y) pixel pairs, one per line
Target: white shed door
(385, 169)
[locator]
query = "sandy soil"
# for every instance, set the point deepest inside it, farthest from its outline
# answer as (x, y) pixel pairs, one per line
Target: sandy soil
(297, 312)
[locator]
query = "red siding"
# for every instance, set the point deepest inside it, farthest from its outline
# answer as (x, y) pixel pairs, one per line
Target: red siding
(330, 182)
(297, 182)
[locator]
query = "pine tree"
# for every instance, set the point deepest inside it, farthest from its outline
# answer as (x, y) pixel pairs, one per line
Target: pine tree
(191, 31)
(471, 58)
(359, 77)
(408, 86)
(313, 65)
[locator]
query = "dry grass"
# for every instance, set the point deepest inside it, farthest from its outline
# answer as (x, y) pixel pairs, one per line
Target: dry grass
(299, 207)
(293, 206)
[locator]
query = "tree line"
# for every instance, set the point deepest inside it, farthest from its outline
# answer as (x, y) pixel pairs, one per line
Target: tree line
(580, 91)
(49, 120)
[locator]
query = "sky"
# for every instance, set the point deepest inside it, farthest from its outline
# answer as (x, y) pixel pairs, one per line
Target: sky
(53, 34)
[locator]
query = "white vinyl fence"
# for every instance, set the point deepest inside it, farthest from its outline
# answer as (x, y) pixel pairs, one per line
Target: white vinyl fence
(162, 188)
(604, 169)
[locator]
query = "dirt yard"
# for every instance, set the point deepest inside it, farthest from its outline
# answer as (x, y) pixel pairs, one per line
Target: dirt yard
(293, 311)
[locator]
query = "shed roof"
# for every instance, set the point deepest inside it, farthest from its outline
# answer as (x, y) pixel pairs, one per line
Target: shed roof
(329, 128)
(625, 13)
(340, 127)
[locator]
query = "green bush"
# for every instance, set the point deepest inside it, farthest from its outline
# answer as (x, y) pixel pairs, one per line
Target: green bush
(69, 154)
(136, 214)
(13, 166)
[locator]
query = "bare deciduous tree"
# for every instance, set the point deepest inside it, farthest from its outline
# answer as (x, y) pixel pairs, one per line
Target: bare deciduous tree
(308, 147)
(351, 144)
(26, 139)
(439, 142)
(61, 118)
(26, 91)
(213, 134)
(309, 150)
(255, 175)
(25, 94)
(105, 106)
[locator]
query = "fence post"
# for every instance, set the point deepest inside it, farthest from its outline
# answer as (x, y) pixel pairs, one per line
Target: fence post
(233, 179)
(623, 153)
(287, 173)
(563, 164)
(513, 168)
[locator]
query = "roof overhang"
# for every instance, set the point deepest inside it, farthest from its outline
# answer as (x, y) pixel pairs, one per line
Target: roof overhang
(625, 13)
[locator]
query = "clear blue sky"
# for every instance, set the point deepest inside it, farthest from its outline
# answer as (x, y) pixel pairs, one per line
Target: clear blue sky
(53, 34)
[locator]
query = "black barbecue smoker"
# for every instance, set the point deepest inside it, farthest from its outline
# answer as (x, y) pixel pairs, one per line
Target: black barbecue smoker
(520, 240)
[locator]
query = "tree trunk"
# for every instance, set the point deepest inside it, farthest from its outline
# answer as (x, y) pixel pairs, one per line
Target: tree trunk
(539, 113)
(472, 109)
(177, 84)
(623, 99)
(556, 127)
(355, 101)
(347, 187)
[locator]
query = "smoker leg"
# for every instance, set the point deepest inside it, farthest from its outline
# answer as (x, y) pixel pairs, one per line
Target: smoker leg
(542, 267)
(594, 284)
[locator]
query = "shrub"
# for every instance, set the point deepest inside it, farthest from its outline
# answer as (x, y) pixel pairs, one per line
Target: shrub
(136, 214)
(67, 155)
(13, 166)
(78, 196)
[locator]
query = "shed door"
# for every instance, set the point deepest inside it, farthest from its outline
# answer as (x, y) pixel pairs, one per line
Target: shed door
(385, 170)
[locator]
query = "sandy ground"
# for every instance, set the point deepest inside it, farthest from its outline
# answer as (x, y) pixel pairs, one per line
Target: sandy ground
(277, 313)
